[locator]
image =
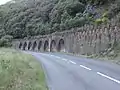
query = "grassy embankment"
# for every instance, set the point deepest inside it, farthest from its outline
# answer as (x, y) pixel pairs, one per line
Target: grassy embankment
(19, 71)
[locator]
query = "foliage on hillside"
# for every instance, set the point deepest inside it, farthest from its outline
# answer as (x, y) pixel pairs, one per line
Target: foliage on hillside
(24, 18)
(6, 41)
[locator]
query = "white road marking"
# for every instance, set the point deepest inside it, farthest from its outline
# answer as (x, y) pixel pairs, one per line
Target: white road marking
(58, 57)
(85, 67)
(115, 80)
(99, 73)
(64, 59)
(72, 62)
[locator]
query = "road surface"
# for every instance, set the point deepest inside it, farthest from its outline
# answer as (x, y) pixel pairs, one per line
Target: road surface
(65, 72)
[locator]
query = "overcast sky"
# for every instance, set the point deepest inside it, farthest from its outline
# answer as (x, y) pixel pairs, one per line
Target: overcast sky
(3, 1)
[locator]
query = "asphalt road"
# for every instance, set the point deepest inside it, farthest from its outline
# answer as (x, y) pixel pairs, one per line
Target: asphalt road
(65, 72)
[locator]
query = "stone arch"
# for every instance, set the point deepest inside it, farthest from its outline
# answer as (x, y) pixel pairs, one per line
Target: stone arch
(39, 45)
(34, 45)
(46, 45)
(20, 45)
(29, 45)
(24, 46)
(61, 45)
(53, 46)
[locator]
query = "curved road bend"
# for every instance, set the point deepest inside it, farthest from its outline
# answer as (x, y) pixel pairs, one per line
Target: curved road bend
(65, 72)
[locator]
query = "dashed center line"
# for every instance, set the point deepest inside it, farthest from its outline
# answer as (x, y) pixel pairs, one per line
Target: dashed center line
(99, 73)
(115, 80)
(57, 57)
(64, 59)
(85, 67)
(72, 62)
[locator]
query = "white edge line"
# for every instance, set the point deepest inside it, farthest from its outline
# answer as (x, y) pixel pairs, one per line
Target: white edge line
(85, 67)
(115, 80)
(72, 62)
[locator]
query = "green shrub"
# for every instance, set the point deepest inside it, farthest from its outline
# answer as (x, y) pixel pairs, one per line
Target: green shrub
(6, 41)
(98, 21)
(75, 8)
(56, 27)
(2, 32)
(75, 22)
(65, 16)
(62, 26)
(99, 2)
(114, 9)
(103, 19)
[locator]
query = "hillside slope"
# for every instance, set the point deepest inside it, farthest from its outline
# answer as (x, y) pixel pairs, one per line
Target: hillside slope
(24, 18)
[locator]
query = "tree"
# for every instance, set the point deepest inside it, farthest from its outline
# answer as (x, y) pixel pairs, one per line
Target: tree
(6, 41)
(39, 17)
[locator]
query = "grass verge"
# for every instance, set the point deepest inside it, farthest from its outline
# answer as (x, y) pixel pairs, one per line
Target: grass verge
(19, 71)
